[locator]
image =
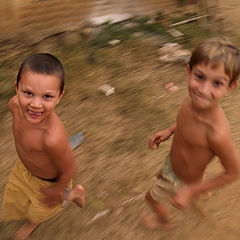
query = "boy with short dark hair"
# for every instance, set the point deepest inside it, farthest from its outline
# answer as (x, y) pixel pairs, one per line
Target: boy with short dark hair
(40, 181)
(201, 132)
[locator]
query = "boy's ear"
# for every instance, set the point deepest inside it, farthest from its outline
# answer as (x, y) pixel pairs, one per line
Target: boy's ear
(59, 98)
(233, 85)
(16, 88)
(188, 72)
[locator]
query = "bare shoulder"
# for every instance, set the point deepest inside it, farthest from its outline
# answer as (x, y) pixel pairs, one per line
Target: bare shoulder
(55, 136)
(13, 104)
(219, 133)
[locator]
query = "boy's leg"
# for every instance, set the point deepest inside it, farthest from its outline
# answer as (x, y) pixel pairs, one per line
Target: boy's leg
(161, 218)
(25, 231)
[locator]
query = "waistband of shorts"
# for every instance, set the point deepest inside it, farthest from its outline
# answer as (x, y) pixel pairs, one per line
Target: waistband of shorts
(48, 180)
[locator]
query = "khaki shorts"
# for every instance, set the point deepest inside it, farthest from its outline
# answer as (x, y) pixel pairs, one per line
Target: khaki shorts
(166, 183)
(22, 194)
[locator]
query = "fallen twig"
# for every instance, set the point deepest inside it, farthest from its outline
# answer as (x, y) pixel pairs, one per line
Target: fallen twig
(99, 215)
(188, 20)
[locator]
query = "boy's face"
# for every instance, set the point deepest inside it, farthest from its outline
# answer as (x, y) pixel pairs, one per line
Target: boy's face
(207, 85)
(38, 94)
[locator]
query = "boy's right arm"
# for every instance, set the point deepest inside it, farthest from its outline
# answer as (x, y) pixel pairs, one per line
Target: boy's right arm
(161, 136)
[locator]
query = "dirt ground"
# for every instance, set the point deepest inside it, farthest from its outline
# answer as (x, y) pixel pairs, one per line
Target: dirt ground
(114, 164)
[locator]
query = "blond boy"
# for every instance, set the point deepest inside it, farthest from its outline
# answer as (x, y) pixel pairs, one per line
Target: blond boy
(40, 180)
(201, 132)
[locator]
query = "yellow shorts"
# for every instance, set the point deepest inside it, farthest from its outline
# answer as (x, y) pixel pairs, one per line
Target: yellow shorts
(166, 183)
(22, 194)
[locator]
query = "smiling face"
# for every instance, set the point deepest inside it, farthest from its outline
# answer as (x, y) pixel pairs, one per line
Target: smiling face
(207, 85)
(38, 94)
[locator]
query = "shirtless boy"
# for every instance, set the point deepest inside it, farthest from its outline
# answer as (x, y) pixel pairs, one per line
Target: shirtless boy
(40, 181)
(201, 132)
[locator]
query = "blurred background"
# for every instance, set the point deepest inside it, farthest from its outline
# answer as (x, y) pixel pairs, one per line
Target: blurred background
(125, 64)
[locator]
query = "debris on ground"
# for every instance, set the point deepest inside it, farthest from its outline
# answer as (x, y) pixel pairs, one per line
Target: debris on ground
(99, 215)
(75, 140)
(106, 89)
(174, 32)
(171, 87)
(119, 209)
(114, 42)
(173, 52)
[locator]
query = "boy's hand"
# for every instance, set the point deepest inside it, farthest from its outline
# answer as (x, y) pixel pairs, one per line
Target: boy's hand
(158, 138)
(182, 198)
(52, 197)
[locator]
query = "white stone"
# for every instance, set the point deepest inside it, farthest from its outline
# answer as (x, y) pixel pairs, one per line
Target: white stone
(106, 89)
(174, 32)
(114, 42)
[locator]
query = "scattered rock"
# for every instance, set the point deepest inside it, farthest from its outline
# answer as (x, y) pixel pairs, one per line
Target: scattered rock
(106, 89)
(168, 85)
(173, 52)
(171, 87)
(151, 21)
(174, 32)
(114, 42)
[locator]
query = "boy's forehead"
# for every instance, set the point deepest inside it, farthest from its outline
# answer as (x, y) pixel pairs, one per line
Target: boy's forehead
(33, 78)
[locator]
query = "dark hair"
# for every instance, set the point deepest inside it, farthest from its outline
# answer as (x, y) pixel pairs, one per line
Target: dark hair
(43, 63)
(218, 51)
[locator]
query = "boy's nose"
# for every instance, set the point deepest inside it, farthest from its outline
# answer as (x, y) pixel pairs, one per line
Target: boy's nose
(36, 103)
(205, 89)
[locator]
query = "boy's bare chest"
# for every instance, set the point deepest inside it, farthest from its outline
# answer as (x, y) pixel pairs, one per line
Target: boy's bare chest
(30, 139)
(192, 131)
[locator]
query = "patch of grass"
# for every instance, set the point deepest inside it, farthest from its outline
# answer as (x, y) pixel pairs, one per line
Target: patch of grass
(110, 31)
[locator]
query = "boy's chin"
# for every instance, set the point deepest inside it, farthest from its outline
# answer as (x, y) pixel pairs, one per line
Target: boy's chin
(202, 106)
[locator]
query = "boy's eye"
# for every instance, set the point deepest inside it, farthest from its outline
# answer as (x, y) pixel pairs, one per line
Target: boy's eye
(47, 96)
(199, 76)
(218, 83)
(28, 93)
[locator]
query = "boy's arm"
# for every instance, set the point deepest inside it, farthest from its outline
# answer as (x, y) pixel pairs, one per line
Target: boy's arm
(62, 158)
(161, 136)
(224, 147)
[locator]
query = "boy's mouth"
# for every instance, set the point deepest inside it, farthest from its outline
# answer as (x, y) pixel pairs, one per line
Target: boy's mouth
(34, 114)
(200, 96)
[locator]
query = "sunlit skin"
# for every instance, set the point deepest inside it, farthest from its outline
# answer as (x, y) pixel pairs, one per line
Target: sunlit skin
(200, 133)
(40, 139)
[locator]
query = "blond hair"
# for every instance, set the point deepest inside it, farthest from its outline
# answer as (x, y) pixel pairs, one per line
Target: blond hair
(217, 51)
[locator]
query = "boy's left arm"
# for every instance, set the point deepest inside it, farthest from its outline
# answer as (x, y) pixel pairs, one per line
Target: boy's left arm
(224, 147)
(62, 158)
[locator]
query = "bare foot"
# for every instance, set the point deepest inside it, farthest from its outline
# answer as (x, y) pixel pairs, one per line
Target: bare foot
(152, 222)
(77, 196)
(25, 231)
